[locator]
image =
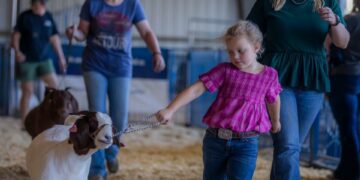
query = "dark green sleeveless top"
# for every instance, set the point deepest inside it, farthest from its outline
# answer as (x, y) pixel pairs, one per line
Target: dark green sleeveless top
(294, 42)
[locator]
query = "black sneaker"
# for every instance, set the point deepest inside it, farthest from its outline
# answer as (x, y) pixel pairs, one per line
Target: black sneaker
(113, 166)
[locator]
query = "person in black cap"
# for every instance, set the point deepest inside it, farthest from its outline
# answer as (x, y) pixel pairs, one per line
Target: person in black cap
(34, 34)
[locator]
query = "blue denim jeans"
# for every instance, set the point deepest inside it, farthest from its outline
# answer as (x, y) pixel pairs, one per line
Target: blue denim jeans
(297, 113)
(345, 107)
(98, 88)
(229, 159)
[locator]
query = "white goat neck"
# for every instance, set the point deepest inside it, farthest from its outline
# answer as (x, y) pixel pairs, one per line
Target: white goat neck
(50, 156)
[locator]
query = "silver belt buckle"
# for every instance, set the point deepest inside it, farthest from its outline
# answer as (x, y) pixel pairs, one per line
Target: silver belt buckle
(224, 134)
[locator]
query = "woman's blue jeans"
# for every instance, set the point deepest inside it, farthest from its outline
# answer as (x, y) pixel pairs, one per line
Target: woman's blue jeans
(229, 159)
(297, 114)
(98, 88)
(345, 107)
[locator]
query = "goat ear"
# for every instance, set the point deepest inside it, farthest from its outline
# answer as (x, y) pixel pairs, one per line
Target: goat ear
(71, 119)
(75, 104)
(48, 90)
(103, 118)
(73, 129)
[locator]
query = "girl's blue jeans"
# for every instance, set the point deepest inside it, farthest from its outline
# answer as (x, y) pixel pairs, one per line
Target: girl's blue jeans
(229, 159)
(297, 114)
(98, 88)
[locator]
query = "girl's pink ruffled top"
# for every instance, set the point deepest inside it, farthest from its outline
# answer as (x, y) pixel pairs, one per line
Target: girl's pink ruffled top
(240, 102)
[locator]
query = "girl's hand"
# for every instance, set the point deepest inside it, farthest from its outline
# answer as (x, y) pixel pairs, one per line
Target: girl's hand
(164, 115)
(158, 63)
(276, 127)
(328, 15)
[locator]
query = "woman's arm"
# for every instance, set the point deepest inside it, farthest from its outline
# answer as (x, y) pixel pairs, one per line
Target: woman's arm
(151, 41)
(185, 97)
(338, 33)
(339, 36)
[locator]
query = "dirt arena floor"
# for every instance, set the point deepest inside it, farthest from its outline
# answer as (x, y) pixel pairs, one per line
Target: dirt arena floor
(168, 152)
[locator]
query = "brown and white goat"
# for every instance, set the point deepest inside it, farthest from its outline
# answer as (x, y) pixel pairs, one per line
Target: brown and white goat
(55, 107)
(64, 151)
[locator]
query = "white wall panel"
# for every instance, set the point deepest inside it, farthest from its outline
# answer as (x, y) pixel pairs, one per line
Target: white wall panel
(246, 6)
(5, 15)
(5, 20)
(171, 19)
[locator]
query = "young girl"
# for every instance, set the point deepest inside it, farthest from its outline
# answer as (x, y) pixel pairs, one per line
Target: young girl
(239, 113)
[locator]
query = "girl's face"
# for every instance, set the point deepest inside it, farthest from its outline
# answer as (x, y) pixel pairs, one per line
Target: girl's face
(242, 52)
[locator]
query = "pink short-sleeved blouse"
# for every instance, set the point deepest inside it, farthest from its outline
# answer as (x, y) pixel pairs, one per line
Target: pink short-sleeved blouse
(240, 103)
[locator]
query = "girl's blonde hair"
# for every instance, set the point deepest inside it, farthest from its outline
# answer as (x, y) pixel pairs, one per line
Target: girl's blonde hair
(245, 29)
(278, 4)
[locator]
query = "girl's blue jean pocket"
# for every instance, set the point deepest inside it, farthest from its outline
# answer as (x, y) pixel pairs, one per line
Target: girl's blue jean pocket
(229, 159)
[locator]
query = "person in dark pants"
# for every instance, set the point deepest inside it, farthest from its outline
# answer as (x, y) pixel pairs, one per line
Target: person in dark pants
(34, 34)
(344, 98)
(295, 31)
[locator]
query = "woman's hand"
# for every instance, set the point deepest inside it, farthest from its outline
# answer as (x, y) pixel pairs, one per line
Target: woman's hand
(164, 115)
(158, 63)
(78, 33)
(70, 32)
(328, 15)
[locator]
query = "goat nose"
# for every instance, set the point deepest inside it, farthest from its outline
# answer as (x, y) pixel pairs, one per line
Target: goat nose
(108, 137)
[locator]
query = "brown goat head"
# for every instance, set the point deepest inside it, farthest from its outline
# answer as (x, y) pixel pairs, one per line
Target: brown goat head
(55, 107)
(59, 104)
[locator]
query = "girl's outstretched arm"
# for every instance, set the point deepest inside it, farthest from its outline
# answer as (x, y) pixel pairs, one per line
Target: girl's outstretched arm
(180, 100)
(274, 112)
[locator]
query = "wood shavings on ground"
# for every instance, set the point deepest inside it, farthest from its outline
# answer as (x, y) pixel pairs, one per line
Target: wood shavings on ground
(168, 152)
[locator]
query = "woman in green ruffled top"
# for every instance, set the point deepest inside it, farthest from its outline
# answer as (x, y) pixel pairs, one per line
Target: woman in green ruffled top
(295, 31)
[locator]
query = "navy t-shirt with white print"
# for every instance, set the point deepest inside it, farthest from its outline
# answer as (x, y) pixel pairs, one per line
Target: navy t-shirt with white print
(108, 48)
(35, 33)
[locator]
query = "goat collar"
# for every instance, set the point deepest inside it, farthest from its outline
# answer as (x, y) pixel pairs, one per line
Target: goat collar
(94, 134)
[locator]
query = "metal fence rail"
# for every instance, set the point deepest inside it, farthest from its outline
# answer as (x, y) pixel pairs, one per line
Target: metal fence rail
(7, 82)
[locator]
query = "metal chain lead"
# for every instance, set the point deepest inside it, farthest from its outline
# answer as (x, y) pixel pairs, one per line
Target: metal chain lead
(132, 129)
